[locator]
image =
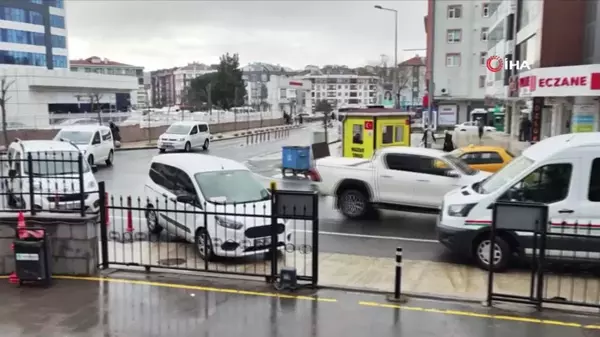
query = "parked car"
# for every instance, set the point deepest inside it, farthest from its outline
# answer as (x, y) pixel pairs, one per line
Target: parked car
(54, 175)
(484, 158)
(187, 185)
(185, 136)
(405, 178)
(94, 141)
(562, 172)
(472, 126)
(79, 121)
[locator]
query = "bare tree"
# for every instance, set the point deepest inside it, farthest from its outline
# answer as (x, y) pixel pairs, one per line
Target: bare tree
(5, 84)
(95, 100)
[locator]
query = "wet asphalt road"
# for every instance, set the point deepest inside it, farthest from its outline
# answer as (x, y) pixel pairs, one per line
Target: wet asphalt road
(414, 232)
(138, 308)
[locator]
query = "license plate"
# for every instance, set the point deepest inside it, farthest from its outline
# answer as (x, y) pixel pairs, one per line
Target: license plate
(75, 205)
(262, 242)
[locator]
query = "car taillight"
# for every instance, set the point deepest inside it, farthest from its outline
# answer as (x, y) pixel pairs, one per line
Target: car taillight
(314, 175)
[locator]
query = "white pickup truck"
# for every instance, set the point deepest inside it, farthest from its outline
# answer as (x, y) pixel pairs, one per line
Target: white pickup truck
(401, 178)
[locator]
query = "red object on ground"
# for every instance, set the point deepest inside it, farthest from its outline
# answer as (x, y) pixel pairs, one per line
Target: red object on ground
(106, 207)
(23, 232)
(129, 216)
(13, 278)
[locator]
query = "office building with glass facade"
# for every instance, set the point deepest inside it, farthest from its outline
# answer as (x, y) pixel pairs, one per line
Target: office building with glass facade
(33, 33)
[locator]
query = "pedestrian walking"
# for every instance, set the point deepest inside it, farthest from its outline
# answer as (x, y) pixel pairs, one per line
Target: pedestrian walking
(448, 143)
(480, 128)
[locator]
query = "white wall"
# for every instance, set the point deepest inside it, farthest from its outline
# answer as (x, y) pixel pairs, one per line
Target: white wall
(459, 82)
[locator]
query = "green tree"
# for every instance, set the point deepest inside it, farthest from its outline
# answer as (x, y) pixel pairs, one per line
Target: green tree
(324, 107)
(229, 90)
(201, 90)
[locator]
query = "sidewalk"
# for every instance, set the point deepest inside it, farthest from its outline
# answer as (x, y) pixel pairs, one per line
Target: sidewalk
(214, 138)
(135, 305)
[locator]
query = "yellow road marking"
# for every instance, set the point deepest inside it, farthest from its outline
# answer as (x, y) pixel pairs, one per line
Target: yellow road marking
(199, 288)
(481, 315)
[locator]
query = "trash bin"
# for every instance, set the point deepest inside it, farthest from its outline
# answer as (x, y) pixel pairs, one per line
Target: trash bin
(295, 158)
(33, 258)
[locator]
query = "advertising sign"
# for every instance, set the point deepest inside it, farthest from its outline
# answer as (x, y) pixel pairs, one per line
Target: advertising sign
(388, 99)
(583, 117)
(536, 119)
(447, 115)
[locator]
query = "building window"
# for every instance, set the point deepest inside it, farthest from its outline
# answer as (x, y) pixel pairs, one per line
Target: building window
(59, 61)
(57, 21)
(484, 33)
(482, 58)
(454, 35)
(454, 11)
(22, 37)
(21, 15)
(453, 60)
(22, 58)
(482, 81)
(485, 10)
(59, 41)
(39, 2)
(54, 3)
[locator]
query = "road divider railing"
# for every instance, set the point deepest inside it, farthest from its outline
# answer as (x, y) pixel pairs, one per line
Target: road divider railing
(262, 136)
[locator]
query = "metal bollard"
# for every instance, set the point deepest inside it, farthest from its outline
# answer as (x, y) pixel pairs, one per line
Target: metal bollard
(247, 139)
(397, 296)
(269, 135)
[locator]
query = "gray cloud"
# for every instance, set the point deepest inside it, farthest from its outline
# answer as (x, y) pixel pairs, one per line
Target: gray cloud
(160, 34)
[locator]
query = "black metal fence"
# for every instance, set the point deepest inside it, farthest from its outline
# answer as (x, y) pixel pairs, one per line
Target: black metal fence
(52, 181)
(252, 239)
(563, 261)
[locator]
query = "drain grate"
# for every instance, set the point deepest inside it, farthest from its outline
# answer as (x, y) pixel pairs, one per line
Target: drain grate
(171, 262)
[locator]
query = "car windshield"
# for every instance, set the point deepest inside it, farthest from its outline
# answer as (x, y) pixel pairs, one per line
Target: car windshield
(55, 163)
(227, 186)
(77, 137)
(506, 174)
(178, 129)
(460, 165)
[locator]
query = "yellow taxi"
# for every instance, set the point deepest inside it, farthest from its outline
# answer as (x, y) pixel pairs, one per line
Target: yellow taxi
(484, 158)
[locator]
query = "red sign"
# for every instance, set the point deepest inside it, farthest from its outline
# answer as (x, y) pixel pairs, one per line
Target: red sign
(294, 83)
(368, 125)
(567, 81)
(425, 102)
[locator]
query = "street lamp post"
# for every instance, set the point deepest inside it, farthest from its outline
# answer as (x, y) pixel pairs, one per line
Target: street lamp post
(396, 77)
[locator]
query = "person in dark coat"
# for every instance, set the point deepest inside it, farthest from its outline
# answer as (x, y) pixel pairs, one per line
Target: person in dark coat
(115, 131)
(428, 131)
(448, 143)
(480, 128)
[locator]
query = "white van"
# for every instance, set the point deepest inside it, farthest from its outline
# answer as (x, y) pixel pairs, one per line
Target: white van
(181, 187)
(185, 136)
(94, 141)
(562, 172)
(55, 176)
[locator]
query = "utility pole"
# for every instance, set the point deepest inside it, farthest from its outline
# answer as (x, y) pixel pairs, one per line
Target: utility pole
(396, 73)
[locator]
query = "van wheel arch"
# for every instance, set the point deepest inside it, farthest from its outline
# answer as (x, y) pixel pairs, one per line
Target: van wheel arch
(506, 238)
(361, 190)
(353, 184)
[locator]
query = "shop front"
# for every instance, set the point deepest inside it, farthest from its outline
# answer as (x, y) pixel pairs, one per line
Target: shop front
(564, 99)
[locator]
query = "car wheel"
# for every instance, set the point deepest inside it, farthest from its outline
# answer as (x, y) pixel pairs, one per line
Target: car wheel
(152, 220)
(204, 244)
(502, 253)
(188, 147)
(91, 160)
(353, 204)
(110, 159)
(161, 150)
(205, 146)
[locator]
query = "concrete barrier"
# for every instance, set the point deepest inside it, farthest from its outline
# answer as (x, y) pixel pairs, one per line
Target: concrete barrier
(74, 241)
(134, 133)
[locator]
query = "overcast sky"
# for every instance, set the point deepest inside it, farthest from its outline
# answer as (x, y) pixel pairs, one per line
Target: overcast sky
(161, 34)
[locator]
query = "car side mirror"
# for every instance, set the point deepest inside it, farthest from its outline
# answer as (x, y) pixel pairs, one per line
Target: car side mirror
(94, 168)
(186, 199)
(452, 174)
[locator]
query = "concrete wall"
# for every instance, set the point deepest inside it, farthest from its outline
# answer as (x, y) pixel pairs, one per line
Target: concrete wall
(74, 241)
(133, 133)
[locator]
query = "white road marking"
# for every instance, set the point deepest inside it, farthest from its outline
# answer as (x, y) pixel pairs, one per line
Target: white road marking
(349, 235)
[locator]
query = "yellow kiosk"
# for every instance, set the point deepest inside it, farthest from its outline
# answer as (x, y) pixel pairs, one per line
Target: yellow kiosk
(365, 130)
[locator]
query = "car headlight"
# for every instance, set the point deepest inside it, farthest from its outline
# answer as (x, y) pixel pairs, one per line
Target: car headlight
(460, 210)
(91, 185)
(228, 223)
(181, 139)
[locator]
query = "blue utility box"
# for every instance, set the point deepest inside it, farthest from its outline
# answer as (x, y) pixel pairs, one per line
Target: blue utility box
(295, 158)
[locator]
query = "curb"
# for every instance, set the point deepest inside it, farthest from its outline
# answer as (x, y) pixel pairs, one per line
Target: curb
(148, 147)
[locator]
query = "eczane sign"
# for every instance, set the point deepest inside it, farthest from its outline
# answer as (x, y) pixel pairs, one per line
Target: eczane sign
(561, 81)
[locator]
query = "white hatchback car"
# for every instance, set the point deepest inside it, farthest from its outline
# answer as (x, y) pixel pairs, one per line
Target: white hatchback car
(472, 126)
(213, 202)
(185, 136)
(94, 141)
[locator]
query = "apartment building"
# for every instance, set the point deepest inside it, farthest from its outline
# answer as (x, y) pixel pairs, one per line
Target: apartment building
(457, 33)
(340, 90)
(412, 82)
(163, 89)
(257, 77)
(184, 75)
(98, 65)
